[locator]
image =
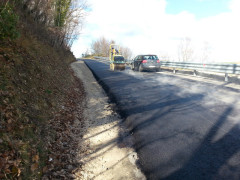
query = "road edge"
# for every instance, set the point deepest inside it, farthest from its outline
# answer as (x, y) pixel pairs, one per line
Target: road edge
(124, 144)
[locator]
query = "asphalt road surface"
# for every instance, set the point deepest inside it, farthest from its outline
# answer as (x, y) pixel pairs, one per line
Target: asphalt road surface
(183, 127)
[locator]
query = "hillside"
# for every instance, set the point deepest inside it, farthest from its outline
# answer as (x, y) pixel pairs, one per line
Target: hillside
(38, 97)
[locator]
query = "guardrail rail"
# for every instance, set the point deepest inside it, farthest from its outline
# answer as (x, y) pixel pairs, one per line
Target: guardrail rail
(211, 67)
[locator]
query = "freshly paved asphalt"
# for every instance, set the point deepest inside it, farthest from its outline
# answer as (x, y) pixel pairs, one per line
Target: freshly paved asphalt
(183, 128)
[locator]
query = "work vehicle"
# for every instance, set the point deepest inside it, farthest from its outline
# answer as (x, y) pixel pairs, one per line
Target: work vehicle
(117, 61)
(146, 62)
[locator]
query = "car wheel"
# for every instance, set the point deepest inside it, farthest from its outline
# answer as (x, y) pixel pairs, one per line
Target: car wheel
(132, 67)
(158, 70)
(113, 67)
(140, 68)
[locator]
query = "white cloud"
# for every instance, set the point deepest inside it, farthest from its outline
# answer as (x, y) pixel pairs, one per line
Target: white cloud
(145, 27)
(235, 6)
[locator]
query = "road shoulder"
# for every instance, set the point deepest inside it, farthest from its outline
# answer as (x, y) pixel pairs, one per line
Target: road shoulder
(105, 154)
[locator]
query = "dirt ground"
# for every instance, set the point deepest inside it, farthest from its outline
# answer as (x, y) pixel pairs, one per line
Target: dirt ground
(105, 150)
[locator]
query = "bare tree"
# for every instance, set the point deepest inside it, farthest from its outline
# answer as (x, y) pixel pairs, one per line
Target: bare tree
(95, 46)
(75, 20)
(165, 57)
(112, 42)
(62, 18)
(100, 47)
(205, 52)
(127, 53)
(185, 50)
(104, 46)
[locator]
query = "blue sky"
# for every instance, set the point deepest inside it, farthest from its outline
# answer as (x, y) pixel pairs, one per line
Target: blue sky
(200, 8)
(157, 27)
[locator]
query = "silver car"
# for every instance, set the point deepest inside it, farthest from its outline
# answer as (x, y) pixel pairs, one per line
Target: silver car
(146, 62)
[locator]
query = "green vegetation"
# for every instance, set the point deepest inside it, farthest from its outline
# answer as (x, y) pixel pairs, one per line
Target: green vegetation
(62, 8)
(8, 22)
(56, 20)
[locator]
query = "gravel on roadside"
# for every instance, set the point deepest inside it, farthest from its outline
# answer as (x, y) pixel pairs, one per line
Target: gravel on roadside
(105, 148)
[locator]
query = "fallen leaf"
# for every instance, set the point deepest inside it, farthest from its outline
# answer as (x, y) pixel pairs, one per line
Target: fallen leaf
(9, 114)
(7, 171)
(45, 169)
(34, 166)
(35, 158)
(9, 121)
(16, 171)
(10, 162)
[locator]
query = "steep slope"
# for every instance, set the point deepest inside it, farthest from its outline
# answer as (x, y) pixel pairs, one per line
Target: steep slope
(38, 97)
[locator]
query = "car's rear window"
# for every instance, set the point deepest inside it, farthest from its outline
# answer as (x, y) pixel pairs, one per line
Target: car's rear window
(118, 58)
(152, 57)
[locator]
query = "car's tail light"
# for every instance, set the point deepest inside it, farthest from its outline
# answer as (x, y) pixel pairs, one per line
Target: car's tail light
(158, 61)
(144, 61)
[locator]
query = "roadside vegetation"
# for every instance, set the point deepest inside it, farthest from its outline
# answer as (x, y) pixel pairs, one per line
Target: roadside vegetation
(100, 47)
(38, 91)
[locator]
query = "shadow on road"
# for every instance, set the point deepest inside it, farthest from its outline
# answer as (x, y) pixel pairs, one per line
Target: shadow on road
(152, 122)
(210, 158)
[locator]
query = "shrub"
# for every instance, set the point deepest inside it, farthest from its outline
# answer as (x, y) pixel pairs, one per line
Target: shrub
(8, 22)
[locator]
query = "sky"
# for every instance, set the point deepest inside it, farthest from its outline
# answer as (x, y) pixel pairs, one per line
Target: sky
(158, 26)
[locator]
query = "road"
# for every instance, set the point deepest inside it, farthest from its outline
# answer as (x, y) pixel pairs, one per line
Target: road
(183, 127)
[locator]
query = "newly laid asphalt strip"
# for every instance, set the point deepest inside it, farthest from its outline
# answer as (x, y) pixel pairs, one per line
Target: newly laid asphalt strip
(182, 129)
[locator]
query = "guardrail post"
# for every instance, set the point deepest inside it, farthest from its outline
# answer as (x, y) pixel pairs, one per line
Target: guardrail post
(194, 72)
(226, 77)
(174, 70)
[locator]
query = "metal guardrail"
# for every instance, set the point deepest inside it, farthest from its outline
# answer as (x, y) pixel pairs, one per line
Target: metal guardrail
(101, 58)
(211, 67)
